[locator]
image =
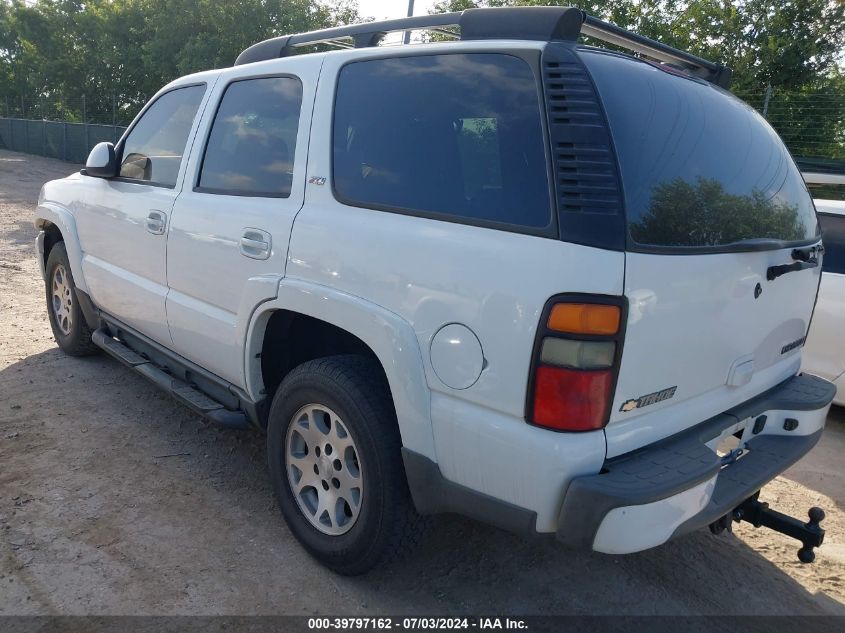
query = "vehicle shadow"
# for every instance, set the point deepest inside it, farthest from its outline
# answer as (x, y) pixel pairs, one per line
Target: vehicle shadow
(825, 471)
(115, 499)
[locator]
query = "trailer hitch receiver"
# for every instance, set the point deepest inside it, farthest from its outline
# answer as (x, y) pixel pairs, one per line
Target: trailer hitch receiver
(758, 514)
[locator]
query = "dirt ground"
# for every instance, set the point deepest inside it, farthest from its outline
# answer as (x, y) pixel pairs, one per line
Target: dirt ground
(116, 500)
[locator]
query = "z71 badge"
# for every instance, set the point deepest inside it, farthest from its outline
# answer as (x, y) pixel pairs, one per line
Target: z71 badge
(644, 401)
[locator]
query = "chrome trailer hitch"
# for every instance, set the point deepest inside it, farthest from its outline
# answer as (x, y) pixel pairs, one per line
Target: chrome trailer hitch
(758, 514)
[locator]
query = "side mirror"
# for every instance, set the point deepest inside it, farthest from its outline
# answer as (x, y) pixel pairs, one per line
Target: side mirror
(102, 161)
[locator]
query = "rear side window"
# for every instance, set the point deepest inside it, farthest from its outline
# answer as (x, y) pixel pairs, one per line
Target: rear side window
(833, 236)
(699, 167)
(252, 141)
(155, 146)
(456, 137)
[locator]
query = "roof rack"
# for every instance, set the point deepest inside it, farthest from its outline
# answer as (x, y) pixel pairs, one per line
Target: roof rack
(514, 23)
(713, 72)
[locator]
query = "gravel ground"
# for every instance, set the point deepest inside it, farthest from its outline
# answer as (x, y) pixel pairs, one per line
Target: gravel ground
(116, 500)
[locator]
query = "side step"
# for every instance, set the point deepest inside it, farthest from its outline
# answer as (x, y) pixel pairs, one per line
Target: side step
(181, 391)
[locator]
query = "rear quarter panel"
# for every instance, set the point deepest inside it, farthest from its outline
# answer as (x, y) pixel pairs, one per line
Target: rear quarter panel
(432, 273)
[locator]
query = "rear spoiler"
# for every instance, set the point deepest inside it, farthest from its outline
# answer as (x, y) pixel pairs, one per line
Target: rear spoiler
(515, 23)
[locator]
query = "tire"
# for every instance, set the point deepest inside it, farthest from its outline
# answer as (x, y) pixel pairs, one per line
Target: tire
(67, 321)
(324, 399)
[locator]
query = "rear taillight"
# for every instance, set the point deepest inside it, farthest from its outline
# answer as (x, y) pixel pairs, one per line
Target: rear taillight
(576, 359)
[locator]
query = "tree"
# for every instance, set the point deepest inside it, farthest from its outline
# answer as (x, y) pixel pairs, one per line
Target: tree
(118, 53)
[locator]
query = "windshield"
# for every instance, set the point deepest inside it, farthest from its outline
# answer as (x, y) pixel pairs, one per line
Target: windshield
(700, 168)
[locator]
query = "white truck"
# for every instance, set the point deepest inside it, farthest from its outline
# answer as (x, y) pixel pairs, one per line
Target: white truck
(824, 353)
(553, 287)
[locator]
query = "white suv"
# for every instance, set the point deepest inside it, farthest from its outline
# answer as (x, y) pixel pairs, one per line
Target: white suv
(533, 282)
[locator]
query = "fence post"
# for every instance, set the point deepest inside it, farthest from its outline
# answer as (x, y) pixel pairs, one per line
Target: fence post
(114, 118)
(85, 121)
(766, 100)
(64, 140)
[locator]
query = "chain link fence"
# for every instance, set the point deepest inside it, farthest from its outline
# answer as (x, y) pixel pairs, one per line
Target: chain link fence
(811, 125)
(103, 110)
(63, 129)
(55, 139)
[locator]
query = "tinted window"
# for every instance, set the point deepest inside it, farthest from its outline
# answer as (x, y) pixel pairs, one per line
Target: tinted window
(833, 236)
(253, 139)
(154, 148)
(451, 135)
(699, 167)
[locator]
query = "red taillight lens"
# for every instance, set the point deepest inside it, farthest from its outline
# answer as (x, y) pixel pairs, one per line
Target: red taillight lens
(576, 358)
(571, 399)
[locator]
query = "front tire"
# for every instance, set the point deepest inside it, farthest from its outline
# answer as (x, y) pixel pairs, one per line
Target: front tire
(335, 462)
(67, 321)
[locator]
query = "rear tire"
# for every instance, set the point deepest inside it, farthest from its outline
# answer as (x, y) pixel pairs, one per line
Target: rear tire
(67, 321)
(332, 429)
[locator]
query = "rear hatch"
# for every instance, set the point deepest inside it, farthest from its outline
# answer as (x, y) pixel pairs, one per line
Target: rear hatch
(713, 202)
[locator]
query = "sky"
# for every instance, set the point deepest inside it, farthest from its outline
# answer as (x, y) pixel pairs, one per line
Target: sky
(381, 9)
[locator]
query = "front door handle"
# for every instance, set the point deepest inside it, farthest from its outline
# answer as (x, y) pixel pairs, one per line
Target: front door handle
(256, 244)
(156, 222)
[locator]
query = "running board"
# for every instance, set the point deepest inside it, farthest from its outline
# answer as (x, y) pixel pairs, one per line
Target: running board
(181, 391)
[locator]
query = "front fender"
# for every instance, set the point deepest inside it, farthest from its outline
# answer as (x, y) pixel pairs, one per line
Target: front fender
(391, 338)
(52, 213)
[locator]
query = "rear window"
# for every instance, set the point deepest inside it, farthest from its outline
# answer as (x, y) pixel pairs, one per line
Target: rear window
(699, 167)
(455, 137)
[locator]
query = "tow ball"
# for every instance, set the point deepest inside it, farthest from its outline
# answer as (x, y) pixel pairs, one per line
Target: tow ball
(758, 514)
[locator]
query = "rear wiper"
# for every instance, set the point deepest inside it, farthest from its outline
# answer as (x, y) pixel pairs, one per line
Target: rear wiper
(759, 242)
(753, 244)
(807, 257)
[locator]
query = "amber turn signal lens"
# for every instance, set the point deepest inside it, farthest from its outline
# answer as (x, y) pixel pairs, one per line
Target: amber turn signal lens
(585, 318)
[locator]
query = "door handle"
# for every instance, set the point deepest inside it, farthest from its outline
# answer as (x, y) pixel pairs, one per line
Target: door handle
(156, 222)
(256, 244)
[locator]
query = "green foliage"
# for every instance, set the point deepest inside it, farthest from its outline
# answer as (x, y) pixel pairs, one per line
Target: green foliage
(117, 53)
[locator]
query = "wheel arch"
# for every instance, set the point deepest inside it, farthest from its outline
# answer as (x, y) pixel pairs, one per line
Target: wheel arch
(390, 339)
(58, 225)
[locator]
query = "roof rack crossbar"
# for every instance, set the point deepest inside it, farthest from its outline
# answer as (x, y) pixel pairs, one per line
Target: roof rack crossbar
(453, 34)
(521, 23)
(334, 43)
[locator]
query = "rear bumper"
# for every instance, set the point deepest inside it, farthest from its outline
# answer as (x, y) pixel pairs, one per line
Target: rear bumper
(644, 498)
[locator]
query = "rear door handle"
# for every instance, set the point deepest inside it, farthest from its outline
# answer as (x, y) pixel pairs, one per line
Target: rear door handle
(156, 222)
(256, 244)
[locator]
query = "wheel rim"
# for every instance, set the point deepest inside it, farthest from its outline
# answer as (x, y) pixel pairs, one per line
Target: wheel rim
(324, 469)
(62, 299)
